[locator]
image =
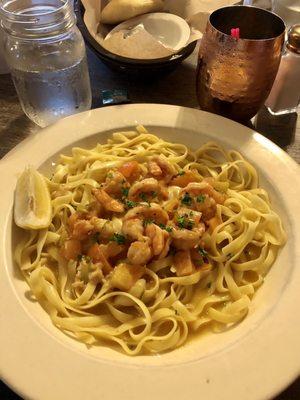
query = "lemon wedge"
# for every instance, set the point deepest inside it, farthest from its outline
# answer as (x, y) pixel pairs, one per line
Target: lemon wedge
(32, 201)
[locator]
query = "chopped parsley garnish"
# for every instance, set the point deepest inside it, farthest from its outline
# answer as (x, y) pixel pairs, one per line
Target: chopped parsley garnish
(199, 262)
(125, 192)
(200, 198)
(202, 252)
(143, 197)
(181, 222)
(186, 200)
(148, 222)
(130, 204)
(118, 238)
(110, 175)
(180, 173)
(185, 223)
(166, 228)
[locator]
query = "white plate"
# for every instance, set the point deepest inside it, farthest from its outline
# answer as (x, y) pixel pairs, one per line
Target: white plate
(253, 361)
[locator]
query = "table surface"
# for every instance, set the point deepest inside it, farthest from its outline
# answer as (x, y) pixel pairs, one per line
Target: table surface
(176, 88)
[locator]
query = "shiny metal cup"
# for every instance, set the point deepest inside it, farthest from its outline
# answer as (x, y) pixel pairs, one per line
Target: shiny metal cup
(235, 76)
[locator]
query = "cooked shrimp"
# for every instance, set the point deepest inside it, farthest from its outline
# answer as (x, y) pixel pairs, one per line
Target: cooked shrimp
(130, 170)
(95, 210)
(208, 208)
(133, 228)
(148, 187)
(204, 188)
(159, 239)
(184, 178)
(114, 183)
(112, 249)
(161, 163)
(186, 239)
(192, 215)
(82, 229)
(154, 212)
(205, 198)
(105, 227)
(73, 218)
(71, 249)
(154, 168)
(109, 203)
(139, 253)
(97, 255)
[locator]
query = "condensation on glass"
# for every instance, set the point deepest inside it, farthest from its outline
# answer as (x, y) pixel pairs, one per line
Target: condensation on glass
(46, 56)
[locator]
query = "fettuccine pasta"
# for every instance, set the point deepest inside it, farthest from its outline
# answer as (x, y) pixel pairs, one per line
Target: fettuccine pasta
(150, 241)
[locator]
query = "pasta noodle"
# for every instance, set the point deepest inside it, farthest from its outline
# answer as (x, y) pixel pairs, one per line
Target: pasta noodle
(140, 276)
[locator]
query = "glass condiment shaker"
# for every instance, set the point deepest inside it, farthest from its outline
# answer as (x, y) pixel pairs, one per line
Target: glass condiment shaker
(46, 56)
(288, 10)
(285, 94)
(266, 4)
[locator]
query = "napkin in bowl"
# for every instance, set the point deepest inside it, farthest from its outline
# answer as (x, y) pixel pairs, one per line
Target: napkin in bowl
(195, 12)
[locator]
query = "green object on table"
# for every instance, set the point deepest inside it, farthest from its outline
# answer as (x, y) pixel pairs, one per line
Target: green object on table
(114, 96)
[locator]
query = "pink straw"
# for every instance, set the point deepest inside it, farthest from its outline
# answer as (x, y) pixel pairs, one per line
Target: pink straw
(235, 33)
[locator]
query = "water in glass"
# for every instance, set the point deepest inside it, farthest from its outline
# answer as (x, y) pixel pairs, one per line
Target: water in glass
(46, 56)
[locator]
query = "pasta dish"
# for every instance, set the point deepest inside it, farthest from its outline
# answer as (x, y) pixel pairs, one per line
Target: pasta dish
(149, 241)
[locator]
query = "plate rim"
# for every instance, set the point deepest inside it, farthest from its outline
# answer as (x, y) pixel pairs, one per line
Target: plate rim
(12, 157)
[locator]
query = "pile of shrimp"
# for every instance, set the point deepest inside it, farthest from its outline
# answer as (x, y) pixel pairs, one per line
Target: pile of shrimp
(142, 214)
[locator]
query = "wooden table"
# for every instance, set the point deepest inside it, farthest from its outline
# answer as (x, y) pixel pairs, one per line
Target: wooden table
(176, 88)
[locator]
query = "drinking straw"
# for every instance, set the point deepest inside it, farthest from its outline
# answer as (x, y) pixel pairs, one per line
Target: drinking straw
(235, 33)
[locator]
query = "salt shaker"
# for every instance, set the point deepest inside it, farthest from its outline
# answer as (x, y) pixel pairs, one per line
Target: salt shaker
(285, 94)
(288, 10)
(45, 53)
(266, 4)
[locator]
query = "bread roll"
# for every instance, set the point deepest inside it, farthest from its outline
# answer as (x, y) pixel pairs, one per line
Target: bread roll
(120, 10)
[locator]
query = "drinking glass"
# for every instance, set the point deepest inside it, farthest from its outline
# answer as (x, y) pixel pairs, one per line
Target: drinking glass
(46, 56)
(235, 75)
(3, 65)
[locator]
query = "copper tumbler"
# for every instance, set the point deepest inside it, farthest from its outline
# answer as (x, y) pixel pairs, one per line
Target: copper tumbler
(235, 75)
